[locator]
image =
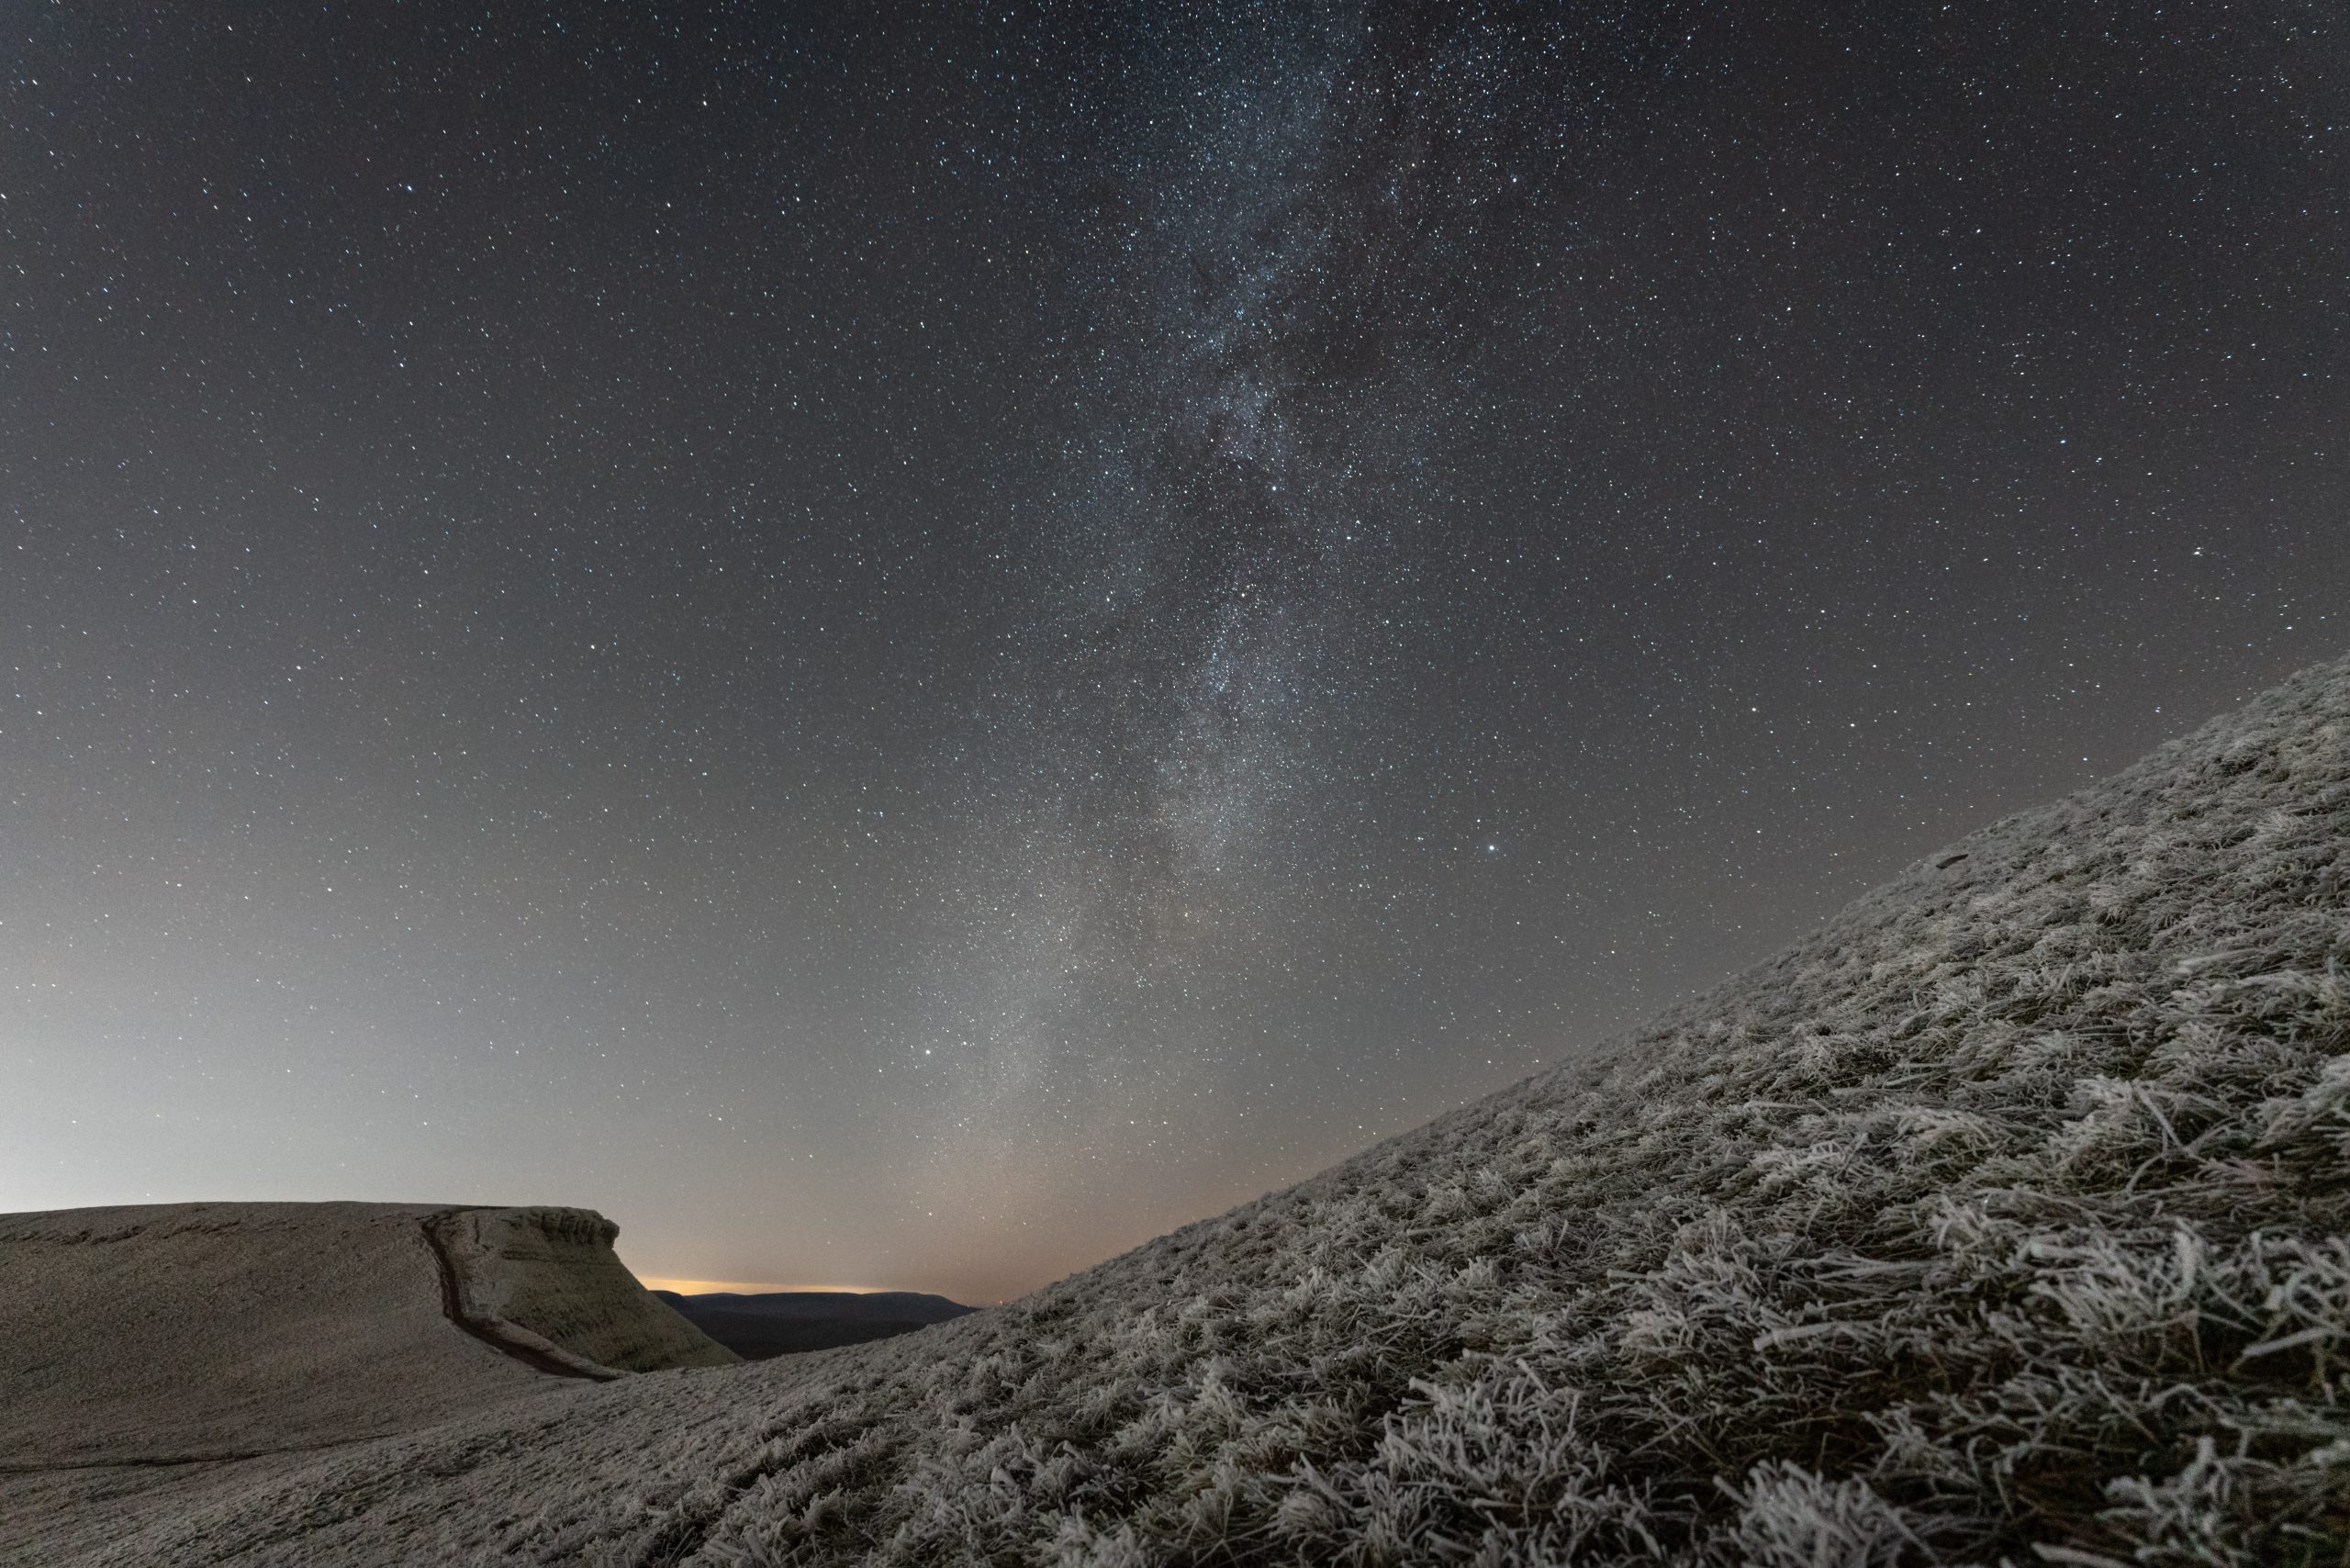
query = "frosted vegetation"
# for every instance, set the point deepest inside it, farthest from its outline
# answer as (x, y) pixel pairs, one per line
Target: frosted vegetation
(2002, 1220)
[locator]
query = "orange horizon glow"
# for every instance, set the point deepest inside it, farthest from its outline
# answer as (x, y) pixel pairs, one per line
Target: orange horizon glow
(741, 1287)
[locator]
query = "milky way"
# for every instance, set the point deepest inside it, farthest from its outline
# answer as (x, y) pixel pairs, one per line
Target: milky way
(904, 652)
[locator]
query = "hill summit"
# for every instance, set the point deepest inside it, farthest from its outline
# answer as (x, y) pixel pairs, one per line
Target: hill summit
(168, 1335)
(2002, 1219)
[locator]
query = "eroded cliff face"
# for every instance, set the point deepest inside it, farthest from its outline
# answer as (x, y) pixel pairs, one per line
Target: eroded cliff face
(545, 1281)
(177, 1333)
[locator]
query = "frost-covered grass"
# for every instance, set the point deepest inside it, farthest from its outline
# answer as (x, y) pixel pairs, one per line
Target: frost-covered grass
(2004, 1219)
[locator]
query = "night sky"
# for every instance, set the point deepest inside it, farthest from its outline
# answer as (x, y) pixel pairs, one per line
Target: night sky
(905, 644)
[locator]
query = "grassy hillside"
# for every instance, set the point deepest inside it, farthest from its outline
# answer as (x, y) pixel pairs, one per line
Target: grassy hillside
(2002, 1219)
(162, 1334)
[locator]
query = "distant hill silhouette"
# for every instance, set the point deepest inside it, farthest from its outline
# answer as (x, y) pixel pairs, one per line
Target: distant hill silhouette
(783, 1323)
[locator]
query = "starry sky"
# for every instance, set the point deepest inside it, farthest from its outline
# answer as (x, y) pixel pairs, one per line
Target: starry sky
(906, 644)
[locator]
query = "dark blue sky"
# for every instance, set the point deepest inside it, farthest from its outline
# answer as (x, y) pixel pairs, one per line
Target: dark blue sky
(903, 651)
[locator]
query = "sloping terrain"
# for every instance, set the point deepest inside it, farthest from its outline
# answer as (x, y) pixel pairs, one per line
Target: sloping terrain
(546, 1282)
(783, 1323)
(164, 1336)
(2003, 1219)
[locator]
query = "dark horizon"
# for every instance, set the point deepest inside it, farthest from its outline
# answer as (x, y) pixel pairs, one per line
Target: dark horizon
(906, 654)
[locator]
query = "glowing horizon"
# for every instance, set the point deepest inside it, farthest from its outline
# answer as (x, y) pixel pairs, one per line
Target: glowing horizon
(742, 1287)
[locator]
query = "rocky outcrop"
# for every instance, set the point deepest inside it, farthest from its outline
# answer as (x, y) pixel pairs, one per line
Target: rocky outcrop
(544, 1284)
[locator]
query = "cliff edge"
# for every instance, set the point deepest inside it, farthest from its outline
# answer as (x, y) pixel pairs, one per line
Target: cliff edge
(173, 1333)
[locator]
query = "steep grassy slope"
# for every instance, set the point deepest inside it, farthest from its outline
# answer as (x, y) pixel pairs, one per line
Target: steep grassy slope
(2002, 1219)
(158, 1333)
(163, 1334)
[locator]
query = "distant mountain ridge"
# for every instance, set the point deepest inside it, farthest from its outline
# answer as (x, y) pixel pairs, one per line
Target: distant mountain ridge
(758, 1324)
(876, 1307)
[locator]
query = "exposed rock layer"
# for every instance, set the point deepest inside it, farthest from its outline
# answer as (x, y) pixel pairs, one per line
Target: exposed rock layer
(545, 1281)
